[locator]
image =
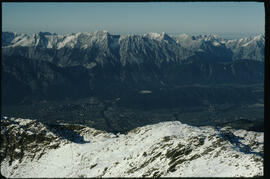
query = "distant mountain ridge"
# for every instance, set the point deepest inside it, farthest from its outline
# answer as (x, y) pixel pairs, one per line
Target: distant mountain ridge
(100, 45)
(242, 48)
(51, 66)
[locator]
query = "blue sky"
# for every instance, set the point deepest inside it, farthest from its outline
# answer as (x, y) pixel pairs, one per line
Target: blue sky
(122, 18)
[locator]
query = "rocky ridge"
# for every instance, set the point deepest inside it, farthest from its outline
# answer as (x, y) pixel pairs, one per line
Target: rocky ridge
(101, 47)
(160, 150)
(46, 66)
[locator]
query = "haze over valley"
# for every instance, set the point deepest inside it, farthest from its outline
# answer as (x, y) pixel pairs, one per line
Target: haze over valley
(95, 78)
(89, 89)
(156, 89)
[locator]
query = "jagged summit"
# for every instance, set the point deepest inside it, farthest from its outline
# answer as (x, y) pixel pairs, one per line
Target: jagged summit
(244, 48)
(184, 35)
(152, 60)
(101, 33)
(158, 36)
(167, 149)
(212, 45)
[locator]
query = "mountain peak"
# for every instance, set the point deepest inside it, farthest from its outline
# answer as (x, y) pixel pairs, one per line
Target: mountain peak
(167, 149)
(153, 35)
(101, 33)
(259, 37)
(164, 35)
(47, 40)
(184, 35)
(159, 36)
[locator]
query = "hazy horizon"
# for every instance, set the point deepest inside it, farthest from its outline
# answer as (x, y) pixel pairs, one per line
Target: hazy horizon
(222, 35)
(222, 18)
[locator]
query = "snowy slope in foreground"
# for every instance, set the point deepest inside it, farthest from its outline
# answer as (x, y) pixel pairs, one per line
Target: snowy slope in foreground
(164, 149)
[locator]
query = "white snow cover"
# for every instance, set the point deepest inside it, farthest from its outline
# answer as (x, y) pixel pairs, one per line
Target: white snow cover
(254, 39)
(215, 43)
(153, 35)
(243, 48)
(22, 40)
(246, 44)
(167, 149)
(69, 40)
(184, 36)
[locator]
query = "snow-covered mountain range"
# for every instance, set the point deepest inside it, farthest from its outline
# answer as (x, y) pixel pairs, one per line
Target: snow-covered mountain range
(51, 66)
(102, 47)
(149, 70)
(168, 149)
(242, 48)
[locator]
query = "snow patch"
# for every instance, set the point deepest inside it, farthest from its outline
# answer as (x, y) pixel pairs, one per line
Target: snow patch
(149, 151)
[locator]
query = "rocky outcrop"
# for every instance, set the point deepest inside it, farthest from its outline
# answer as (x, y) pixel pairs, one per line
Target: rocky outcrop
(167, 149)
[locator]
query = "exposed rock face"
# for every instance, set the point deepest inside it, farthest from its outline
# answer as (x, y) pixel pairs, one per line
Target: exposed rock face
(102, 47)
(25, 139)
(161, 150)
(236, 49)
(47, 66)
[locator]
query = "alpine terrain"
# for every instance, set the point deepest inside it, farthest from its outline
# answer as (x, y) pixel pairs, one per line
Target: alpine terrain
(146, 105)
(119, 82)
(168, 149)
